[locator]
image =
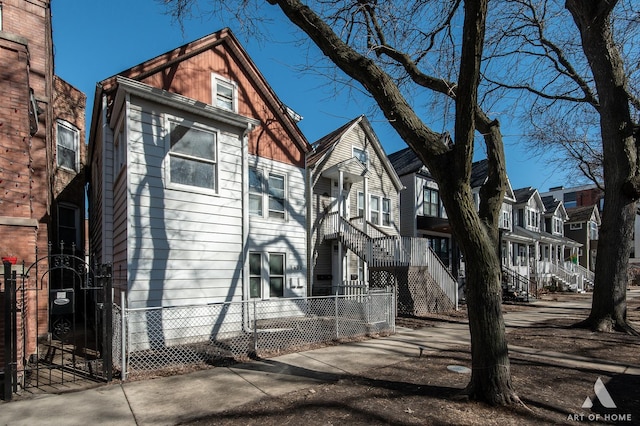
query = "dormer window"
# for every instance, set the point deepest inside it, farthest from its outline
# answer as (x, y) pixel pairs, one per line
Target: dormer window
(224, 93)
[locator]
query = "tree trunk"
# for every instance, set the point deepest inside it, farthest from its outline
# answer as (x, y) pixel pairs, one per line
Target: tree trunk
(491, 376)
(609, 306)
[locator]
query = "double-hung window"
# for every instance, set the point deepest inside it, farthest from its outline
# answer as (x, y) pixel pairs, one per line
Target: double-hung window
(256, 185)
(375, 209)
(361, 155)
(431, 204)
(386, 212)
(192, 156)
(224, 93)
(276, 196)
(360, 205)
(68, 139)
(273, 274)
(271, 186)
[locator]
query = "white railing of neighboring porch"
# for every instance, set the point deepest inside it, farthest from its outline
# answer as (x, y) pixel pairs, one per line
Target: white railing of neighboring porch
(391, 251)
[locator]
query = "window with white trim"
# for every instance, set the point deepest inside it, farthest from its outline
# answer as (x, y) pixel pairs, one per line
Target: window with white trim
(267, 189)
(593, 230)
(386, 212)
(119, 150)
(374, 209)
(67, 141)
(192, 156)
(360, 205)
(266, 275)
(276, 275)
(575, 226)
(431, 203)
(276, 196)
(361, 155)
(255, 275)
(224, 93)
(256, 186)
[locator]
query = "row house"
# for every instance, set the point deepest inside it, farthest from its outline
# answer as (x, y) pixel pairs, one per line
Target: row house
(197, 184)
(356, 243)
(42, 184)
(535, 253)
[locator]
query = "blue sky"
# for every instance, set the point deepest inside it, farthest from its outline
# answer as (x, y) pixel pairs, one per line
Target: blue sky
(95, 39)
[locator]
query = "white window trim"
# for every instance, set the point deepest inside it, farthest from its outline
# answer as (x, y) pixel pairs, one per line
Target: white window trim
(167, 165)
(76, 142)
(364, 150)
(265, 275)
(265, 194)
(575, 226)
(382, 212)
(214, 91)
(371, 210)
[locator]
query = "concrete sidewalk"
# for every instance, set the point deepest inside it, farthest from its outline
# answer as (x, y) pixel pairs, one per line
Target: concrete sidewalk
(175, 399)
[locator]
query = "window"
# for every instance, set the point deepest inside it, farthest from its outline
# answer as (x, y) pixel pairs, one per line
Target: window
(441, 248)
(557, 226)
(255, 275)
(431, 202)
(276, 275)
(360, 205)
(119, 151)
(275, 278)
(575, 226)
(192, 156)
(593, 231)
(361, 155)
(506, 218)
(375, 209)
(273, 186)
(224, 93)
(386, 212)
(0, 16)
(255, 192)
(276, 196)
(67, 145)
(68, 225)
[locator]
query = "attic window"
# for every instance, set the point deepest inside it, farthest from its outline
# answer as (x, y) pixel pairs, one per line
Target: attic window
(361, 155)
(224, 93)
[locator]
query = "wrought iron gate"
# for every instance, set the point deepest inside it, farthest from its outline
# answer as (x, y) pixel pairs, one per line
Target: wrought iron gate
(58, 323)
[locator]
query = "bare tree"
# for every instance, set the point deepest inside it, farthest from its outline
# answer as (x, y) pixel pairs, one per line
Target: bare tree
(399, 52)
(579, 82)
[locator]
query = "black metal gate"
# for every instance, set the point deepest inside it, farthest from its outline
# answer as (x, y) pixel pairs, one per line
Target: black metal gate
(58, 323)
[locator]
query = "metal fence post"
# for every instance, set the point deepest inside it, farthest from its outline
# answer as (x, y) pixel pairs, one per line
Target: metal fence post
(255, 328)
(107, 338)
(9, 330)
(123, 336)
(336, 316)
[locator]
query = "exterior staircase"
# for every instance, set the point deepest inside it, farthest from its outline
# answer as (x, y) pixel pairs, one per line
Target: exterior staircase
(516, 287)
(392, 253)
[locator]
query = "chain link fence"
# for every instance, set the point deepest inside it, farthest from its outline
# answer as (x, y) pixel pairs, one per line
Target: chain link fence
(175, 338)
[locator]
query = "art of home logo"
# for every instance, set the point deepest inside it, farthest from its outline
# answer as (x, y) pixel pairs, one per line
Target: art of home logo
(603, 395)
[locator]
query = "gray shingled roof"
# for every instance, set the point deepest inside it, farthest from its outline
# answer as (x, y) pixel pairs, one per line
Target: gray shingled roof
(523, 194)
(580, 214)
(406, 161)
(550, 203)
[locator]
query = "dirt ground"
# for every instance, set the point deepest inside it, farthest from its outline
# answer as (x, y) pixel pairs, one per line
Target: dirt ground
(424, 391)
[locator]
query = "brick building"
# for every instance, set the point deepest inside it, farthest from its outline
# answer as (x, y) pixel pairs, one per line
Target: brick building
(42, 155)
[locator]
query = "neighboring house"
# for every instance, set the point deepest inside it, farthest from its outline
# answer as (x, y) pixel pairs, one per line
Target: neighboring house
(355, 221)
(41, 165)
(198, 180)
(582, 227)
(537, 248)
(422, 213)
(350, 177)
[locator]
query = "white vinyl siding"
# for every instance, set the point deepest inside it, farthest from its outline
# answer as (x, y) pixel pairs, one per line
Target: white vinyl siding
(287, 237)
(183, 247)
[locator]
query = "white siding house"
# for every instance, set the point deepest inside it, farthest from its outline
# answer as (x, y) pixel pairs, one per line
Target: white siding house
(198, 192)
